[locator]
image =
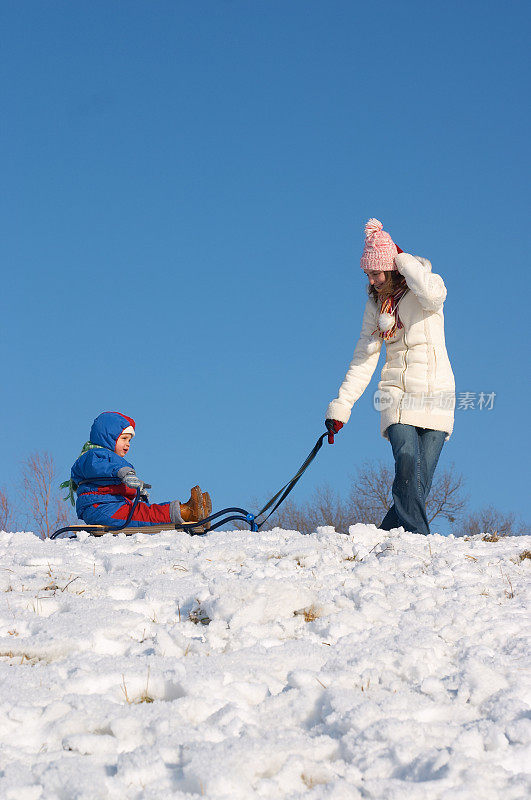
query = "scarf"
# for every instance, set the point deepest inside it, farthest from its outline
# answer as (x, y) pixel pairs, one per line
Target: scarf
(69, 484)
(389, 309)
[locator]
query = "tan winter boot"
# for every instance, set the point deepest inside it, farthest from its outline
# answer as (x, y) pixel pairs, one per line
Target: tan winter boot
(207, 504)
(193, 509)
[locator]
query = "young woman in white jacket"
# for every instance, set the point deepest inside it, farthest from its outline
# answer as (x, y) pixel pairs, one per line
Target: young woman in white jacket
(416, 392)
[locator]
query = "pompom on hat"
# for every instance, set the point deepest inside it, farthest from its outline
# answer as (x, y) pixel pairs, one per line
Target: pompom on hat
(380, 250)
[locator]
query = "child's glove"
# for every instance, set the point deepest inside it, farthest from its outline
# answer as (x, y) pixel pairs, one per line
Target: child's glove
(333, 425)
(129, 477)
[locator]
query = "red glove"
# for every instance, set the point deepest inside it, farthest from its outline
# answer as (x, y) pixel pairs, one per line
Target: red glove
(333, 425)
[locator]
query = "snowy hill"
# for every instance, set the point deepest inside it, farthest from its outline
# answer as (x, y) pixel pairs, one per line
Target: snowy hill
(268, 665)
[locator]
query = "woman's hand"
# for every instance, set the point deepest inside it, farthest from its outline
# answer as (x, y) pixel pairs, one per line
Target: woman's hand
(333, 425)
(427, 286)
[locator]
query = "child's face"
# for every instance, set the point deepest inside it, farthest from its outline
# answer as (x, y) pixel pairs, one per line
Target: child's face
(122, 444)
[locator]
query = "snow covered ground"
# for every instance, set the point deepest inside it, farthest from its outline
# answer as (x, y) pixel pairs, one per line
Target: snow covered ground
(269, 665)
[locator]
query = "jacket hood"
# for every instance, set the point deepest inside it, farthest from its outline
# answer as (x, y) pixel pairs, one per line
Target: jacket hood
(107, 427)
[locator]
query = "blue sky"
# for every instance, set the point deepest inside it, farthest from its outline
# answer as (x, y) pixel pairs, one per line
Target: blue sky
(185, 187)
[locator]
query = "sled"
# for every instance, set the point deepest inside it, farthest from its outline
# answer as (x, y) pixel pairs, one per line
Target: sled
(199, 528)
(101, 530)
(203, 526)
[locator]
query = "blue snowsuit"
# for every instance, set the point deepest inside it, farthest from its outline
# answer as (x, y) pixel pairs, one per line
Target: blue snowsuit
(109, 504)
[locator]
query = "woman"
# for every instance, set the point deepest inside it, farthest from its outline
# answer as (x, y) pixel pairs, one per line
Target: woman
(417, 390)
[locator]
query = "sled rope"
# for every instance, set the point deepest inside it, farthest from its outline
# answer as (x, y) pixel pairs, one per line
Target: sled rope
(252, 519)
(290, 485)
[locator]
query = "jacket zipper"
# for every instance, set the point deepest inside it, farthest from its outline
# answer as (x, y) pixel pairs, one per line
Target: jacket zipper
(403, 373)
(403, 376)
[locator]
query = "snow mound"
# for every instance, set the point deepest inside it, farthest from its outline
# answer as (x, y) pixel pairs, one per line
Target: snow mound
(270, 665)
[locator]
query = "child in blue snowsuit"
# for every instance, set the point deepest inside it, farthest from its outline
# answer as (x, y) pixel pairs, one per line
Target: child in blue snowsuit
(109, 502)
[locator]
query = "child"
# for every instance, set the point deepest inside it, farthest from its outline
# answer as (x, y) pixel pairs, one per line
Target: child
(109, 502)
(417, 390)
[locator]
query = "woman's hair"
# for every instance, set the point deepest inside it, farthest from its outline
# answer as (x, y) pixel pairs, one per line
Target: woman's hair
(393, 281)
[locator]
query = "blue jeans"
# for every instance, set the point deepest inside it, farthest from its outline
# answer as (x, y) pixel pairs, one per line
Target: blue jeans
(416, 452)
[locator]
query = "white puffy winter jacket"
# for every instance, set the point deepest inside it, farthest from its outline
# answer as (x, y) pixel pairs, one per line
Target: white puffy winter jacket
(417, 384)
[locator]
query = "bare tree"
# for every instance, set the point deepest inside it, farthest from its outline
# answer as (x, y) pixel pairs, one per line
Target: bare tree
(447, 498)
(291, 517)
(489, 521)
(325, 507)
(5, 511)
(368, 502)
(329, 509)
(370, 495)
(45, 508)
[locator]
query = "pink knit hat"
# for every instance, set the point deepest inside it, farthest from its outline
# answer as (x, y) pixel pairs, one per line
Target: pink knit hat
(380, 250)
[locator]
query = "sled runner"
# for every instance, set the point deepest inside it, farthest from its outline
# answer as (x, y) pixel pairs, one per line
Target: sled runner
(204, 526)
(101, 530)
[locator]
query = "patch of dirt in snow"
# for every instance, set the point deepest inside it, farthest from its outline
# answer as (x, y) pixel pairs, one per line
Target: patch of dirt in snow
(239, 665)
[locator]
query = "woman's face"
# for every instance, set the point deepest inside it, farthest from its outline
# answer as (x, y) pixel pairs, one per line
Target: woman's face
(376, 279)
